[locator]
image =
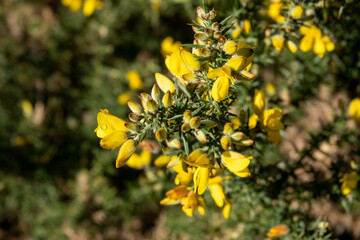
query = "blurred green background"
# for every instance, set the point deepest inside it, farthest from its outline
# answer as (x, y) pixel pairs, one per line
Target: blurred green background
(58, 68)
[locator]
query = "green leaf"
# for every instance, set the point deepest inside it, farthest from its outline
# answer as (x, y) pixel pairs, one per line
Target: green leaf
(183, 88)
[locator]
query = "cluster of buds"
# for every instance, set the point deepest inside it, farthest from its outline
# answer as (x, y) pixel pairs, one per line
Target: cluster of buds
(189, 114)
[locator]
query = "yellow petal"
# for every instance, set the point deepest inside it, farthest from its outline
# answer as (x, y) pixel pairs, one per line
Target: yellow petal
(139, 161)
(278, 42)
(176, 65)
(253, 121)
(247, 26)
(244, 173)
(164, 83)
(134, 80)
(235, 161)
(126, 150)
(217, 193)
(306, 43)
(220, 89)
(89, 7)
(296, 12)
(113, 140)
(274, 136)
(354, 109)
(201, 179)
(230, 47)
(108, 123)
(259, 101)
(190, 60)
(292, 46)
(226, 210)
(161, 160)
(237, 63)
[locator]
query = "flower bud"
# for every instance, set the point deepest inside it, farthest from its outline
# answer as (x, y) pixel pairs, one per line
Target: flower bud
(201, 37)
(237, 136)
(205, 52)
(187, 116)
(174, 143)
(200, 12)
(217, 34)
(208, 32)
(212, 14)
(195, 122)
(247, 75)
(215, 26)
(200, 135)
(196, 29)
(134, 107)
(167, 99)
(144, 98)
(228, 129)
(206, 124)
(185, 127)
(152, 106)
(225, 142)
(222, 39)
(161, 134)
(134, 117)
(132, 127)
(155, 93)
(244, 142)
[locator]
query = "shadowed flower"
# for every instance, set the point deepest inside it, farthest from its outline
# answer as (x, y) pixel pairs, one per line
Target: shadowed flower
(349, 182)
(354, 109)
(278, 230)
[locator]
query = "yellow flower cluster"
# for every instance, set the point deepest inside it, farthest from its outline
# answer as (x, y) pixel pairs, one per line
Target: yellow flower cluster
(314, 39)
(188, 113)
(88, 6)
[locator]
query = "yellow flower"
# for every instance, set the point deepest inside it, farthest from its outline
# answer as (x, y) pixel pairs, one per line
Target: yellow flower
(349, 182)
(168, 46)
(230, 47)
(134, 80)
(126, 150)
(313, 39)
(291, 46)
(236, 162)
(123, 98)
(259, 101)
(274, 11)
(108, 123)
(89, 6)
(278, 230)
(236, 32)
(270, 89)
(278, 42)
(247, 26)
(161, 160)
(201, 179)
(164, 83)
(192, 202)
(220, 89)
(174, 196)
(139, 161)
(296, 12)
(354, 109)
(271, 121)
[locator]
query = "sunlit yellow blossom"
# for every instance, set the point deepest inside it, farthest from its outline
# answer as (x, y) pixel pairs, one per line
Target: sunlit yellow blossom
(271, 120)
(234, 161)
(278, 230)
(296, 12)
(164, 83)
(259, 101)
(192, 202)
(168, 46)
(274, 11)
(220, 89)
(201, 179)
(226, 210)
(123, 98)
(126, 150)
(291, 46)
(278, 42)
(108, 123)
(134, 80)
(230, 47)
(139, 161)
(354, 109)
(174, 196)
(349, 183)
(89, 6)
(247, 26)
(313, 39)
(182, 177)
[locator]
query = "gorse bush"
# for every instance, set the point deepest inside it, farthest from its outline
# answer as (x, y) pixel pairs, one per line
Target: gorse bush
(251, 127)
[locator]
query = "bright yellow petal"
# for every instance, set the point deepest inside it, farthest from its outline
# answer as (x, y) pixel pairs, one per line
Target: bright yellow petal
(108, 123)
(237, 63)
(253, 121)
(354, 109)
(113, 140)
(190, 60)
(201, 179)
(164, 83)
(230, 47)
(259, 101)
(306, 43)
(244, 173)
(161, 160)
(126, 150)
(217, 193)
(89, 7)
(235, 161)
(278, 42)
(220, 89)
